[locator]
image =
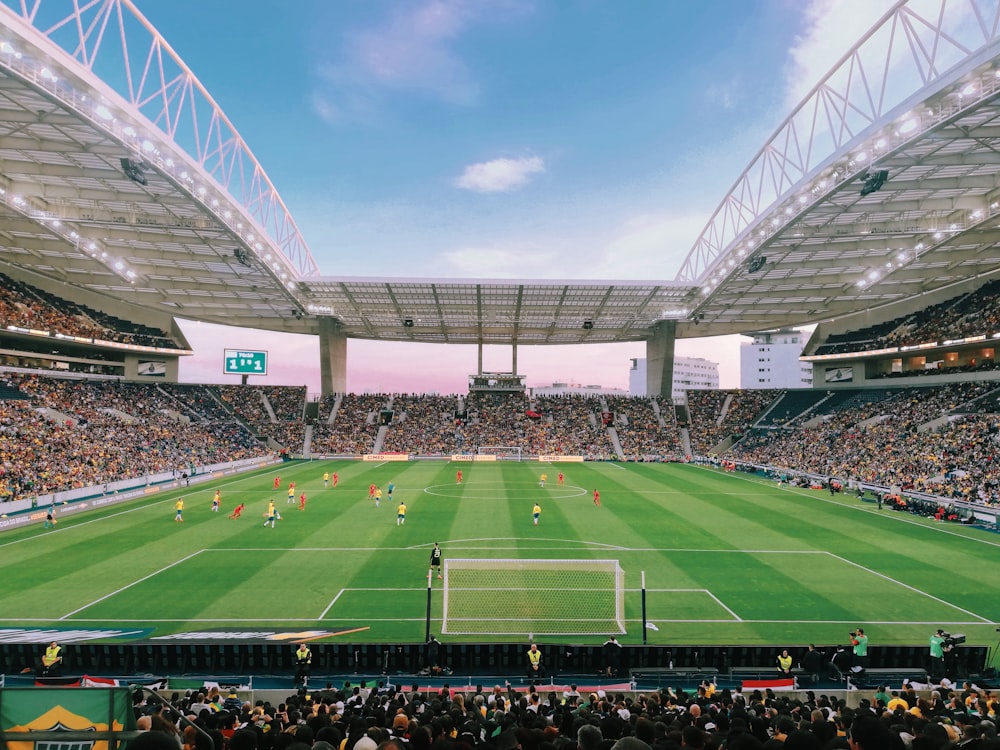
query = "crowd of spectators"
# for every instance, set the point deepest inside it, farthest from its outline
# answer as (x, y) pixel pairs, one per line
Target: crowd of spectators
(970, 314)
(93, 432)
(387, 718)
(27, 306)
(354, 427)
(717, 415)
(885, 440)
(640, 434)
(424, 425)
(272, 411)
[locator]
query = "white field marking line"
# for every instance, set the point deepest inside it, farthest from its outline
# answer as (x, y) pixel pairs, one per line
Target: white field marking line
(614, 465)
(908, 586)
(524, 549)
(146, 506)
(893, 515)
(330, 605)
(421, 619)
(452, 542)
(130, 585)
(719, 602)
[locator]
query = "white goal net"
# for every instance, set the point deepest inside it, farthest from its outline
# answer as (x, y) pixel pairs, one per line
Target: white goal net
(514, 597)
(502, 452)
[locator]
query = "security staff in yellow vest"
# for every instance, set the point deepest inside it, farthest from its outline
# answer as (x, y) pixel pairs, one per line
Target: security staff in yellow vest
(535, 668)
(303, 663)
(51, 659)
(785, 663)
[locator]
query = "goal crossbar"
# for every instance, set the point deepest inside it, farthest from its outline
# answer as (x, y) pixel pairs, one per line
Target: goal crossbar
(527, 596)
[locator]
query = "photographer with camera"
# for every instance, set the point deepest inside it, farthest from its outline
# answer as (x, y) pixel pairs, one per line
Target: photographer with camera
(859, 646)
(937, 646)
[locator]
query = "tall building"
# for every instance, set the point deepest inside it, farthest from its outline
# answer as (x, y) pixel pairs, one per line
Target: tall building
(771, 360)
(690, 374)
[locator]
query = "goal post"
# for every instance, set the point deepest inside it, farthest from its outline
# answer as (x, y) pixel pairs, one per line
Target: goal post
(519, 597)
(502, 452)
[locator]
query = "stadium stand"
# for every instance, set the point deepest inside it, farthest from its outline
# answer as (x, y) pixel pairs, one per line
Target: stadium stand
(27, 306)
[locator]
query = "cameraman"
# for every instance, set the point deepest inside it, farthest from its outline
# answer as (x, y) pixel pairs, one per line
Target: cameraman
(859, 645)
(937, 644)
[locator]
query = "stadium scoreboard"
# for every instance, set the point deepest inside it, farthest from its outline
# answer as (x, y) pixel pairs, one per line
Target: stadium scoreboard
(242, 362)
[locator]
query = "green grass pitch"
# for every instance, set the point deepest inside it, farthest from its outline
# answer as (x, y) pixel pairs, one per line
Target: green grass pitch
(728, 558)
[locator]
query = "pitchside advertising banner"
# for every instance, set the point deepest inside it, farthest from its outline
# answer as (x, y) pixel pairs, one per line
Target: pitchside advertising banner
(386, 457)
(473, 457)
(560, 459)
(64, 710)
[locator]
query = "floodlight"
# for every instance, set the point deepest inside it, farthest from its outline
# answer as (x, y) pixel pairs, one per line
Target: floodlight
(874, 181)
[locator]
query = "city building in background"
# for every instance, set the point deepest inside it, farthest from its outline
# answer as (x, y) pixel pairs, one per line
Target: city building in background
(771, 360)
(690, 374)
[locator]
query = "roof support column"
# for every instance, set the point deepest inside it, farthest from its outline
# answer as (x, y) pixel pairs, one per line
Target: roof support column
(332, 357)
(479, 369)
(513, 365)
(660, 359)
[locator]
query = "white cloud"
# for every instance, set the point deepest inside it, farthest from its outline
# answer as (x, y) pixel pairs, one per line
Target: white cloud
(500, 262)
(648, 246)
(500, 175)
(831, 28)
(411, 51)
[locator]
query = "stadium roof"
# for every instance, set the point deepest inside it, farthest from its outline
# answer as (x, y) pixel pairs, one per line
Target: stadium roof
(145, 192)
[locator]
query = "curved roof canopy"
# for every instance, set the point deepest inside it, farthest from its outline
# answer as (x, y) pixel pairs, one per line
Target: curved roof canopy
(883, 184)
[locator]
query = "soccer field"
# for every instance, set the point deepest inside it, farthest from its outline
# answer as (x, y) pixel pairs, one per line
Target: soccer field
(727, 558)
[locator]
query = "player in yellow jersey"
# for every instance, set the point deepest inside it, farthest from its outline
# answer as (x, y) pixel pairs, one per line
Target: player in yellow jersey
(542, 480)
(179, 510)
(326, 479)
(216, 501)
(271, 514)
(535, 513)
(401, 514)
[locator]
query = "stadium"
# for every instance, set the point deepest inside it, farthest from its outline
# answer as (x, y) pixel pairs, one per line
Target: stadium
(193, 535)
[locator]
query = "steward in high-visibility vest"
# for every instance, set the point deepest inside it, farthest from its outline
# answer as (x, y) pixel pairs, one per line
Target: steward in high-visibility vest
(52, 657)
(303, 663)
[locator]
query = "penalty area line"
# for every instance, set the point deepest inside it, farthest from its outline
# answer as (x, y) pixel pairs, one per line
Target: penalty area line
(130, 585)
(330, 605)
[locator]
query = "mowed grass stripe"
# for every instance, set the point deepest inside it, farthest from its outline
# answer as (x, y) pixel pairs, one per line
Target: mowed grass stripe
(650, 511)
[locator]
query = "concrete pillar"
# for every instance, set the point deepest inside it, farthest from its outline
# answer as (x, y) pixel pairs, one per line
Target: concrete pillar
(660, 359)
(513, 365)
(332, 357)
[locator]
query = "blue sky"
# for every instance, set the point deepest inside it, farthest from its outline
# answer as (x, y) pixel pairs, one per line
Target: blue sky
(509, 139)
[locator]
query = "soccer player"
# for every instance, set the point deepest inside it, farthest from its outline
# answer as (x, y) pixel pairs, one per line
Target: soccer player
(436, 559)
(560, 478)
(291, 493)
(238, 510)
(50, 517)
(401, 514)
(389, 489)
(378, 496)
(458, 477)
(216, 501)
(542, 479)
(277, 482)
(302, 501)
(371, 491)
(179, 510)
(336, 478)
(597, 498)
(326, 479)
(271, 514)
(535, 512)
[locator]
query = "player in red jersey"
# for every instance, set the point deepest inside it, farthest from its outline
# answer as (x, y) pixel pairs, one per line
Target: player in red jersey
(238, 511)
(277, 482)
(560, 478)
(302, 501)
(458, 477)
(597, 498)
(371, 491)
(336, 478)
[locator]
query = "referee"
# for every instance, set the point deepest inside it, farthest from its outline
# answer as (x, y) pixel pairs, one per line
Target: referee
(436, 559)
